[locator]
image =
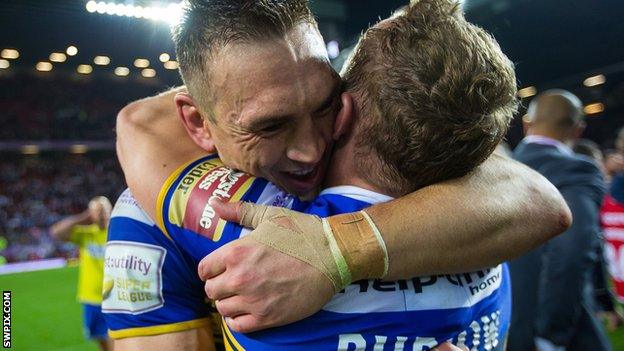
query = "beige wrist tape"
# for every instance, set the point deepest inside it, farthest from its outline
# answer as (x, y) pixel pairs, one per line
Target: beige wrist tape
(349, 249)
(361, 245)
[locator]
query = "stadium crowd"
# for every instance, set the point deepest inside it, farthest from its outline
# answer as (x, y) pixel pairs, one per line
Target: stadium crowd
(36, 191)
(42, 108)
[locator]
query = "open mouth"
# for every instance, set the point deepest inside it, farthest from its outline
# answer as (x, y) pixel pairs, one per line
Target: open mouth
(303, 180)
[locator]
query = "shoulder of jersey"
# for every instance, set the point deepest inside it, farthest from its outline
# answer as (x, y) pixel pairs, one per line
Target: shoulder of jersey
(128, 207)
(185, 198)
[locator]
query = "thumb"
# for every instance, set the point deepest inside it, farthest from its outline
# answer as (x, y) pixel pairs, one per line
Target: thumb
(247, 214)
(228, 211)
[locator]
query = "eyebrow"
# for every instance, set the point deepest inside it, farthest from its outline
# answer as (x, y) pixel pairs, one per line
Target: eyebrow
(329, 100)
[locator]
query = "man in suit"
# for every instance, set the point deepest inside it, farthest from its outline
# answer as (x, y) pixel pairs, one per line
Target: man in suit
(552, 302)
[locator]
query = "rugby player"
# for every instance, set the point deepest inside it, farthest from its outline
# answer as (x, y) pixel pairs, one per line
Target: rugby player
(88, 231)
(298, 143)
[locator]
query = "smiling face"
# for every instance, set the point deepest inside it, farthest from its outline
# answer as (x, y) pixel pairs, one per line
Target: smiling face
(274, 104)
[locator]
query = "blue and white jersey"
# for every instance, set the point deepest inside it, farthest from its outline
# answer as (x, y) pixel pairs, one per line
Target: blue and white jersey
(469, 309)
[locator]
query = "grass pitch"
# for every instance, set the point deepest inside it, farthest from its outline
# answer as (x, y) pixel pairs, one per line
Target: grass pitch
(46, 316)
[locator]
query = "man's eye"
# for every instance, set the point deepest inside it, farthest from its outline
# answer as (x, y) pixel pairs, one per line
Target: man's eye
(272, 128)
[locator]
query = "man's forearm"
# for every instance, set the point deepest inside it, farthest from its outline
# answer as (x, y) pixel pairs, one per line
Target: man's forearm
(61, 230)
(492, 215)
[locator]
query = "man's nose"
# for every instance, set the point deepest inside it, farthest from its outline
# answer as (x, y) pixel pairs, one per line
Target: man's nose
(307, 145)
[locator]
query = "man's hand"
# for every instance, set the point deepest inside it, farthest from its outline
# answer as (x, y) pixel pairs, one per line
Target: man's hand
(257, 287)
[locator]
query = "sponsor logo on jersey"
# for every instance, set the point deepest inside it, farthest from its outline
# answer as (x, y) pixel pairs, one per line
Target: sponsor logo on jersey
(190, 205)
(132, 277)
(482, 334)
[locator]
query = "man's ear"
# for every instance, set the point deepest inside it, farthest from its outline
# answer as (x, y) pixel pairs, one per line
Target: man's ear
(345, 117)
(193, 122)
(579, 129)
(526, 124)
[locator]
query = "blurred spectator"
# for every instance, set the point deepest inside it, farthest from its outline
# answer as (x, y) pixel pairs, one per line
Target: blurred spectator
(553, 304)
(615, 165)
(35, 191)
(602, 293)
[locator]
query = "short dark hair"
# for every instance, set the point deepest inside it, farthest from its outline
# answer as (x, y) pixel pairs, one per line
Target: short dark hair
(209, 25)
(435, 95)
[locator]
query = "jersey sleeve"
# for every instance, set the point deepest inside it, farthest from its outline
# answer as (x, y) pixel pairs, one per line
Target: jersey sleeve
(150, 287)
(184, 210)
(77, 234)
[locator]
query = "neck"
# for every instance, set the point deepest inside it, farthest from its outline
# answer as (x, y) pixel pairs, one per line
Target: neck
(559, 136)
(343, 169)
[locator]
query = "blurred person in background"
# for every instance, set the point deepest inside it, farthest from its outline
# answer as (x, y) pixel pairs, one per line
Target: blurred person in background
(553, 307)
(612, 220)
(615, 168)
(88, 230)
(602, 293)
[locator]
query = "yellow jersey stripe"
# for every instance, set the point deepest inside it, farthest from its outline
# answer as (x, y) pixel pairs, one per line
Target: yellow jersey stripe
(229, 341)
(160, 202)
(159, 329)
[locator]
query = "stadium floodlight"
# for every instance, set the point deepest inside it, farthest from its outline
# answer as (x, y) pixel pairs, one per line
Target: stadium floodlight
(527, 92)
(30, 149)
(71, 50)
(171, 65)
(333, 49)
(164, 57)
(594, 108)
(43, 66)
(78, 149)
(101, 60)
(595, 80)
(141, 63)
(148, 73)
(4, 64)
(170, 13)
(58, 57)
(10, 54)
(84, 69)
(122, 71)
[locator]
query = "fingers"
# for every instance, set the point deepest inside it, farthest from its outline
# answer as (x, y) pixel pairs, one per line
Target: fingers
(212, 265)
(245, 323)
(231, 307)
(228, 211)
(251, 215)
(219, 288)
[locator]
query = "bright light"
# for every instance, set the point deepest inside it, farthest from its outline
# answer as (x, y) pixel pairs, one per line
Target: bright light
(333, 49)
(170, 13)
(141, 63)
(148, 73)
(10, 54)
(594, 108)
(100, 7)
(78, 149)
(595, 80)
(43, 66)
(30, 149)
(91, 6)
(101, 60)
(122, 71)
(527, 92)
(72, 50)
(84, 69)
(164, 57)
(58, 57)
(4, 64)
(171, 65)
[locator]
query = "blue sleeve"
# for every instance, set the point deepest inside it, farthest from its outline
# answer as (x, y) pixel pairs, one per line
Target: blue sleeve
(150, 286)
